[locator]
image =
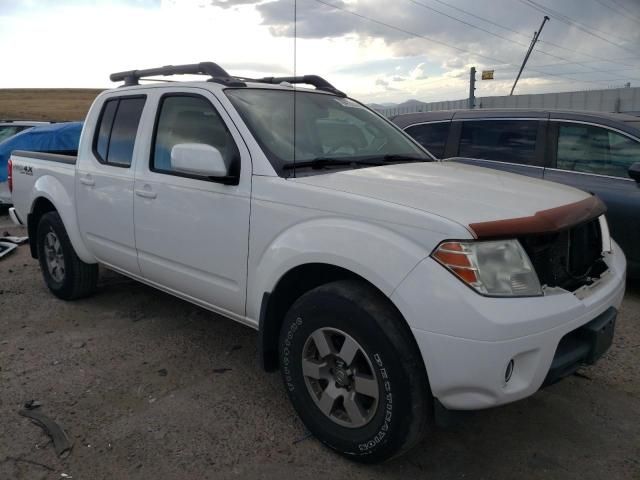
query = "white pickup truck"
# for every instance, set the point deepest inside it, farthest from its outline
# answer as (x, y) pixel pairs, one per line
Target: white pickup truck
(381, 283)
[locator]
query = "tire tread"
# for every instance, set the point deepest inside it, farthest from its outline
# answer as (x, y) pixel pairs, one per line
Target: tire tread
(80, 278)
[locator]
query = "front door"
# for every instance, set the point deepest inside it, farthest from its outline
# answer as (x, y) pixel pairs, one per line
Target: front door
(597, 159)
(104, 185)
(192, 233)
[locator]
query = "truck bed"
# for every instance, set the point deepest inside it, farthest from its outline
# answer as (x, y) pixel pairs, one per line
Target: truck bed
(35, 170)
(69, 156)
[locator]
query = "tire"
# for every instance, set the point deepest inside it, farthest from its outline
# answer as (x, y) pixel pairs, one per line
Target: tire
(65, 274)
(321, 374)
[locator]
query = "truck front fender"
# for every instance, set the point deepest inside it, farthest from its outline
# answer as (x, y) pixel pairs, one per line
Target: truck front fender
(379, 255)
(51, 189)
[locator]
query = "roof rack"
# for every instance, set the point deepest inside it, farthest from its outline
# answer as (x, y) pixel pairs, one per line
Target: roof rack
(219, 75)
(318, 82)
(215, 71)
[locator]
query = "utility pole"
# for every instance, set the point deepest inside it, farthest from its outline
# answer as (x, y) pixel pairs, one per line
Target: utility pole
(472, 87)
(536, 35)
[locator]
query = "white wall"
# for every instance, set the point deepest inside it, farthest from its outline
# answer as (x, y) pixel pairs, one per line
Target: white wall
(611, 100)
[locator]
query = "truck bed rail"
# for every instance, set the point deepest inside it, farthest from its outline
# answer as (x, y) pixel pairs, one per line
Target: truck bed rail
(60, 157)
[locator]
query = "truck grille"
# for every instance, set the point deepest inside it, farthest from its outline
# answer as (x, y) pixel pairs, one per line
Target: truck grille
(568, 259)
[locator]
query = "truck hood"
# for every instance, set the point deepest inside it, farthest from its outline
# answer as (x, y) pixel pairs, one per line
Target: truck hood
(462, 193)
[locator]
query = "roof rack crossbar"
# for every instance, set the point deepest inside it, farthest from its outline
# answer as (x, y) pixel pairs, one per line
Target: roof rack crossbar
(218, 75)
(215, 71)
(314, 80)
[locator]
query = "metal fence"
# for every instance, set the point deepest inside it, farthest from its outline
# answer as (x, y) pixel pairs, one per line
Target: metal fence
(619, 100)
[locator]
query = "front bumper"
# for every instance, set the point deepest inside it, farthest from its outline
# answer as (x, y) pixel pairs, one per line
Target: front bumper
(583, 346)
(467, 341)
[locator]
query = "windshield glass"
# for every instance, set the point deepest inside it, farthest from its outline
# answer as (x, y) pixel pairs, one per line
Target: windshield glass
(327, 127)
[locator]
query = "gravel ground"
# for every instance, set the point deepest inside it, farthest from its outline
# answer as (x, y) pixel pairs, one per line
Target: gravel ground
(149, 386)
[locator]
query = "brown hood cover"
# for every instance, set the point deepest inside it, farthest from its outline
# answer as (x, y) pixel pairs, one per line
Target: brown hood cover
(544, 221)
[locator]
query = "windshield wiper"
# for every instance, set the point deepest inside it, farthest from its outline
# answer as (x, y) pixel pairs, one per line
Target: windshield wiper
(322, 162)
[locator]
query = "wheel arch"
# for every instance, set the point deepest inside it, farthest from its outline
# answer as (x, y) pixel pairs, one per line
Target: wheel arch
(50, 196)
(41, 205)
(291, 286)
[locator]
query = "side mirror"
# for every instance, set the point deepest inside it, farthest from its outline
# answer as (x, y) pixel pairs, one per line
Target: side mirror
(198, 159)
(634, 171)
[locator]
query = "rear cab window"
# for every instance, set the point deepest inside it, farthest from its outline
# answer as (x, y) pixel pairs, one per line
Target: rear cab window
(116, 130)
(512, 141)
(432, 136)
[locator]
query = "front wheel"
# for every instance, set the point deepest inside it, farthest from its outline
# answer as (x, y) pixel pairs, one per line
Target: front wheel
(353, 372)
(65, 274)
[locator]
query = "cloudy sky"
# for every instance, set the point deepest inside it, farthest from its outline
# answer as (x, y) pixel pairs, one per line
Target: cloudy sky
(376, 50)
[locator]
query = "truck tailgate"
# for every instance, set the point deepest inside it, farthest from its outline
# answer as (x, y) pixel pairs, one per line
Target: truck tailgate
(32, 169)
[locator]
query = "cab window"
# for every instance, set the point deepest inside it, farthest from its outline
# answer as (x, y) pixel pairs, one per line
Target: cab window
(116, 130)
(189, 119)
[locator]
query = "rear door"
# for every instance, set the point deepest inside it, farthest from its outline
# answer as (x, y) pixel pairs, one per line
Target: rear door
(596, 159)
(104, 183)
(192, 232)
(509, 144)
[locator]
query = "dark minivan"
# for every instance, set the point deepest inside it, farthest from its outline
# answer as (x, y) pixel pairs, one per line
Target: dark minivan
(596, 152)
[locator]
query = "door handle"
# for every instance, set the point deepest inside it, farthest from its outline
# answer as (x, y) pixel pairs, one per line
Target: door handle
(87, 180)
(146, 192)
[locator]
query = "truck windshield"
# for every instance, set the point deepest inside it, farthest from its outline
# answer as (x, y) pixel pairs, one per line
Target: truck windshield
(327, 128)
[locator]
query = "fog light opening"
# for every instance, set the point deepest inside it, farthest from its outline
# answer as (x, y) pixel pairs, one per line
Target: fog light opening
(509, 371)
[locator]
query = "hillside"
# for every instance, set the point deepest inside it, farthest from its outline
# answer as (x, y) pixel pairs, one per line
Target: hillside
(56, 104)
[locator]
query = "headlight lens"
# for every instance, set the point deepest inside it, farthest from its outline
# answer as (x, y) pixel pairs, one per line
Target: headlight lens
(497, 268)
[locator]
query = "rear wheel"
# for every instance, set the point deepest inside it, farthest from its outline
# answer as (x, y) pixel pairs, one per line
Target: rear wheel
(65, 274)
(353, 372)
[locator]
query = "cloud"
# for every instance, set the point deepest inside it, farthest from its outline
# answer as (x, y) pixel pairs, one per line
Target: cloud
(231, 3)
(419, 73)
(268, 68)
(323, 19)
(378, 52)
(386, 85)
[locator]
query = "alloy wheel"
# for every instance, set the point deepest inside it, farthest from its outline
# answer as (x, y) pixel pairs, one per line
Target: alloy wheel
(340, 377)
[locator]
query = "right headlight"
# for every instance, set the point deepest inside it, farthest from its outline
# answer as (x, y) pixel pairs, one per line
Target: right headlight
(496, 268)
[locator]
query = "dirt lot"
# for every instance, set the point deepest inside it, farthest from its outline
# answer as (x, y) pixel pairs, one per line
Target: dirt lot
(148, 386)
(53, 104)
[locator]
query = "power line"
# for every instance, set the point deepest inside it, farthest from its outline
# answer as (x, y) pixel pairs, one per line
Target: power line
(619, 12)
(628, 67)
(572, 23)
(613, 72)
(415, 2)
(447, 45)
(546, 42)
(623, 7)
